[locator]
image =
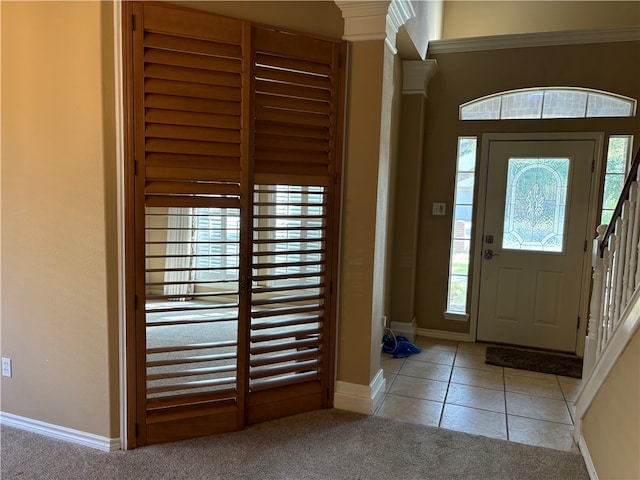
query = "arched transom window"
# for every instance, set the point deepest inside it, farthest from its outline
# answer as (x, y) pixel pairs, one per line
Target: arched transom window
(548, 102)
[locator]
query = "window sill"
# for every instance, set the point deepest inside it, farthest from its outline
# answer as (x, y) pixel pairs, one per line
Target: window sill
(456, 316)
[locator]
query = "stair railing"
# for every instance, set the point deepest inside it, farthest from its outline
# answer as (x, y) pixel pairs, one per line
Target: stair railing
(616, 272)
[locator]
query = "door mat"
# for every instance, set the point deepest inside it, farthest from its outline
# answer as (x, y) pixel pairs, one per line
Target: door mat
(535, 361)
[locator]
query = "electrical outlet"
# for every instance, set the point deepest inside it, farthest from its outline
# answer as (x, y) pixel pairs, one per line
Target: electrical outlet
(6, 367)
(384, 321)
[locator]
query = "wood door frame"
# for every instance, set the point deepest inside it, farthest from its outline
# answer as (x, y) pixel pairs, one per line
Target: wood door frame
(123, 114)
(479, 217)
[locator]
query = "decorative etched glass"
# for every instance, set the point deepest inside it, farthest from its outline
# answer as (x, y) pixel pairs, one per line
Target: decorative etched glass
(535, 205)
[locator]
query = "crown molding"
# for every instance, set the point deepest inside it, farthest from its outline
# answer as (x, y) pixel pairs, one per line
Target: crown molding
(378, 20)
(399, 12)
(416, 75)
(540, 39)
(364, 20)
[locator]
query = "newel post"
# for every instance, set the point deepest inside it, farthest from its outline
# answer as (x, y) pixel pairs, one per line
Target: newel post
(596, 305)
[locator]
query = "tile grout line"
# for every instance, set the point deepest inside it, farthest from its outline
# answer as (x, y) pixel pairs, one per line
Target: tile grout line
(386, 392)
(542, 420)
(457, 355)
(384, 395)
(446, 394)
(506, 408)
(566, 402)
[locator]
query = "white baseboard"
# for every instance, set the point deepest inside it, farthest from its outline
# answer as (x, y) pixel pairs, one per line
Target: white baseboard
(406, 329)
(458, 337)
(584, 450)
(360, 398)
(61, 433)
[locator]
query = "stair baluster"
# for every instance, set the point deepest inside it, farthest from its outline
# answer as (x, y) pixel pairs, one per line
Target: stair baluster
(616, 272)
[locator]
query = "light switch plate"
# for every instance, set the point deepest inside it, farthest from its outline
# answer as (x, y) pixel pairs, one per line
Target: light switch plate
(439, 208)
(6, 367)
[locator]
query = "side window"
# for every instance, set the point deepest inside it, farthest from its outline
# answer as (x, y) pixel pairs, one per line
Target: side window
(461, 229)
(618, 163)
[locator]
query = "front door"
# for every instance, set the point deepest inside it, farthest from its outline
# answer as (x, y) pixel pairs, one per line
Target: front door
(533, 242)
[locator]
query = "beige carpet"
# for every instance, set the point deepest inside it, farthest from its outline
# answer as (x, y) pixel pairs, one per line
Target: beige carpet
(328, 444)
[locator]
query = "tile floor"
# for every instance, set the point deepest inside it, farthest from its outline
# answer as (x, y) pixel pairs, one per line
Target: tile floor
(448, 385)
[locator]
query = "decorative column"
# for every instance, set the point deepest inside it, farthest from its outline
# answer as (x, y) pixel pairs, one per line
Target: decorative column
(416, 77)
(373, 88)
(378, 20)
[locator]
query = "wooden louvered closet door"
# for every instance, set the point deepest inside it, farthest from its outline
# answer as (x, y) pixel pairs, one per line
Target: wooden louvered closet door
(236, 145)
(191, 93)
(297, 113)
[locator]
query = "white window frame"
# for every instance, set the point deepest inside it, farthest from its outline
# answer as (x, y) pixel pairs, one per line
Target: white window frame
(451, 313)
(473, 110)
(609, 175)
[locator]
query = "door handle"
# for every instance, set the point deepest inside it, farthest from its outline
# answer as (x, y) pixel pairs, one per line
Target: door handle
(488, 254)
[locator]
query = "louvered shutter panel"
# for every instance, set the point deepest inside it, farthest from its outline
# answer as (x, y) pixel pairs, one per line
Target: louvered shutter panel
(236, 205)
(189, 99)
(296, 159)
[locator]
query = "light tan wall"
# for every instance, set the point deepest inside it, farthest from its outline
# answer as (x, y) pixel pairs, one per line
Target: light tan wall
(58, 219)
(402, 268)
(360, 185)
(425, 26)
(611, 427)
(395, 106)
(316, 17)
(479, 18)
(371, 153)
(388, 166)
(495, 71)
